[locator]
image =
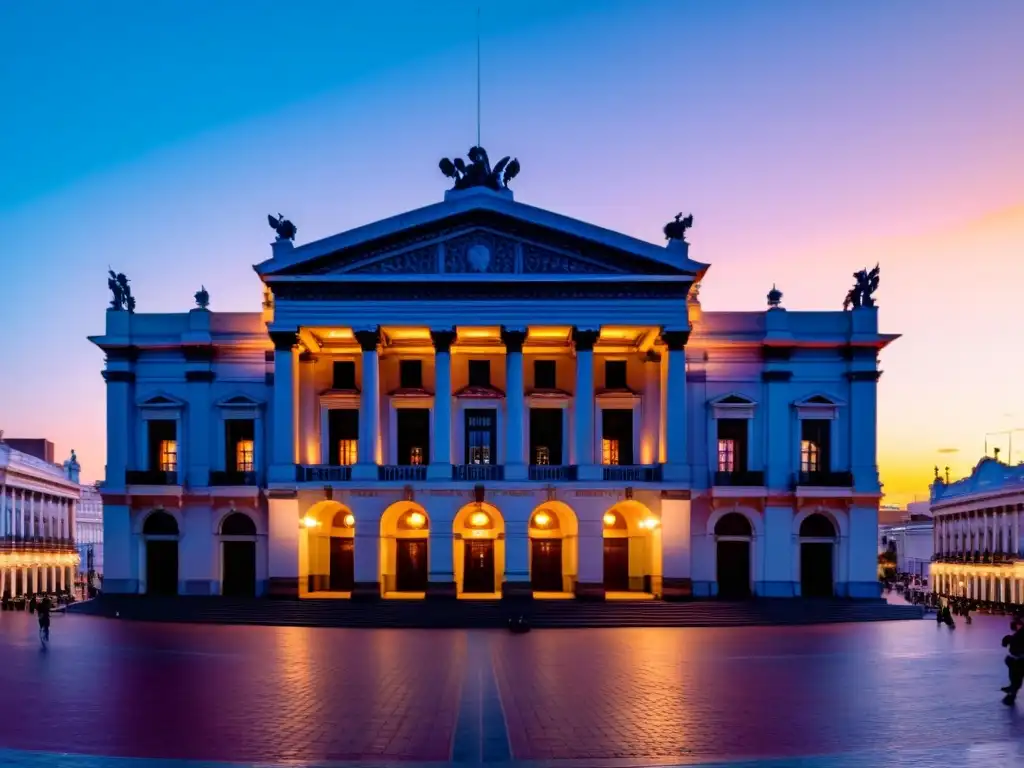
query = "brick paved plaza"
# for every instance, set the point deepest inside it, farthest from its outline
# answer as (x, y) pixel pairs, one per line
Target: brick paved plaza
(839, 695)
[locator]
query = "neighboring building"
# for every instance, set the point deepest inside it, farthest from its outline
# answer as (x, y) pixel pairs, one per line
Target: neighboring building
(978, 548)
(37, 518)
(483, 397)
(912, 542)
(89, 535)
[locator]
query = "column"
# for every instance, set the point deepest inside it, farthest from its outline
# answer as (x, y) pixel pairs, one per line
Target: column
(369, 407)
(515, 426)
(35, 580)
(43, 578)
(33, 515)
(19, 527)
(3, 513)
(1016, 532)
(441, 435)
(650, 440)
(366, 584)
(3, 583)
(73, 521)
(62, 571)
(590, 583)
(282, 454)
(583, 407)
(675, 405)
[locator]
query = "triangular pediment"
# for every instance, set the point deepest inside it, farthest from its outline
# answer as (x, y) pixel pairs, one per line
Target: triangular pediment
(160, 400)
(478, 235)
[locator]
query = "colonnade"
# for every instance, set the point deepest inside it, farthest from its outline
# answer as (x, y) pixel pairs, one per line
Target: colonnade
(993, 530)
(35, 579)
(991, 587)
(27, 515)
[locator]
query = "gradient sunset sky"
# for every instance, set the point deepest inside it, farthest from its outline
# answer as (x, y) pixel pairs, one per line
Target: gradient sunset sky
(808, 139)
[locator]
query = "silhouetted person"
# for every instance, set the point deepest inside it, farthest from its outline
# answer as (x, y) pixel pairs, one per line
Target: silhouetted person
(1014, 645)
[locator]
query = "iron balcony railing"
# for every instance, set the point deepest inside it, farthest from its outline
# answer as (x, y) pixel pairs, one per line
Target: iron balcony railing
(323, 473)
(743, 478)
(150, 477)
(478, 472)
(402, 472)
(552, 472)
(635, 473)
(825, 479)
(232, 477)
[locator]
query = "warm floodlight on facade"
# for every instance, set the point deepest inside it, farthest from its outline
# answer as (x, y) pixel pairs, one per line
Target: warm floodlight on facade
(609, 519)
(416, 519)
(541, 519)
(650, 523)
(349, 520)
(310, 522)
(479, 519)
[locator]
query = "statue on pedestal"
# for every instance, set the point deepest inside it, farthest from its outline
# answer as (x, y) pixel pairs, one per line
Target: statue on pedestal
(122, 298)
(676, 229)
(284, 228)
(862, 293)
(202, 297)
(479, 172)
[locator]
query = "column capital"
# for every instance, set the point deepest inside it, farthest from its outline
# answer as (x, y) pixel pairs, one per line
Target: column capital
(284, 341)
(584, 339)
(513, 338)
(675, 340)
(368, 339)
(443, 339)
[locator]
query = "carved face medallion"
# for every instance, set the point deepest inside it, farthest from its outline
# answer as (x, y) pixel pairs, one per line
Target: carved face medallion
(479, 257)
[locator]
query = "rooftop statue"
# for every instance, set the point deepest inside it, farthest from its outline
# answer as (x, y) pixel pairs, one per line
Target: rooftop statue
(284, 228)
(122, 298)
(479, 172)
(863, 291)
(676, 229)
(202, 297)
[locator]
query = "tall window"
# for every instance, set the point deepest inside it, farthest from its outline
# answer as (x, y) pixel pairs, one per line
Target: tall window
(732, 445)
(343, 434)
(542, 455)
(348, 452)
(168, 455)
(245, 456)
(726, 455)
(617, 436)
(240, 440)
(814, 445)
(416, 456)
(480, 436)
(609, 451)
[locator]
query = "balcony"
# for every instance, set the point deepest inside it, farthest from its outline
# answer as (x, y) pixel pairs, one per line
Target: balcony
(323, 473)
(742, 478)
(402, 472)
(40, 544)
(636, 473)
(552, 472)
(825, 479)
(150, 477)
(230, 477)
(478, 472)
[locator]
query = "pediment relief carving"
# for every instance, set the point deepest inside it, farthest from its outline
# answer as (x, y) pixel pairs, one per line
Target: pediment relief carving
(474, 251)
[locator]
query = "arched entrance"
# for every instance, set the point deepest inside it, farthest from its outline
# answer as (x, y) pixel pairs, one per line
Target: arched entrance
(327, 549)
(817, 556)
(160, 531)
(733, 535)
(479, 549)
(553, 532)
(632, 549)
(238, 556)
(405, 534)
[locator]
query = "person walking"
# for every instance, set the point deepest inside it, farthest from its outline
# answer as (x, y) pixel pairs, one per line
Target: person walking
(1014, 645)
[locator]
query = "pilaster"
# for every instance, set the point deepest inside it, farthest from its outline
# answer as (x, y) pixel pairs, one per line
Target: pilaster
(369, 407)
(675, 415)
(441, 451)
(282, 457)
(583, 404)
(515, 452)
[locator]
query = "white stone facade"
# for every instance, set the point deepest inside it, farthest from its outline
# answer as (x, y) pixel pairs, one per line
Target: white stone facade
(37, 517)
(484, 398)
(89, 532)
(977, 535)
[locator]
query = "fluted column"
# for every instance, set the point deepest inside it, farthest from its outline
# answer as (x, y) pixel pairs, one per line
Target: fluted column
(583, 405)
(1016, 531)
(282, 456)
(369, 406)
(441, 435)
(515, 452)
(675, 415)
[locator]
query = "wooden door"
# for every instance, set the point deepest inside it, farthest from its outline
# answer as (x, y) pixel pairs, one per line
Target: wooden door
(411, 571)
(342, 563)
(616, 565)
(733, 569)
(546, 565)
(478, 571)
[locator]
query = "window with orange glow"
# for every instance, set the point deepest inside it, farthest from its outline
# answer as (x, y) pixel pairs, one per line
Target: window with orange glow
(416, 456)
(726, 455)
(609, 451)
(542, 456)
(245, 456)
(810, 456)
(168, 455)
(348, 452)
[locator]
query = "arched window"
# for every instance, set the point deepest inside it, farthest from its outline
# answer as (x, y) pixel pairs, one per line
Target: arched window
(238, 524)
(160, 523)
(733, 524)
(817, 526)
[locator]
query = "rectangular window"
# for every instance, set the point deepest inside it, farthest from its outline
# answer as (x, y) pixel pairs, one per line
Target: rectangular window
(615, 374)
(163, 445)
(542, 455)
(344, 375)
(815, 443)
(343, 436)
(413, 434)
(410, 374)
(481, 436)
(415, 456)
(240, 442)
(617, 436)
(168, 455)
(609, 451)
(546, 435)
(479, 373)
(544, 374)
(732, 445)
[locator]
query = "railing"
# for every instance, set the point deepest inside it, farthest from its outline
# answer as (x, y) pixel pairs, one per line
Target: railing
(825, 479)
(150, 477)
(402, 472)
(636, 473)
(478, 472)
(550, 472)
(744, 478)
(323, 473)
(232, 477)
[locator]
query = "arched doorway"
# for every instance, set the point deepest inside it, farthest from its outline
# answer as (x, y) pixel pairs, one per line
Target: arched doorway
(342, 552)
(817, 556)
(405, 534)
(733, 534)
(632, 549)
(553, 532)
(479, 549)
(160, 531)
(238, 556)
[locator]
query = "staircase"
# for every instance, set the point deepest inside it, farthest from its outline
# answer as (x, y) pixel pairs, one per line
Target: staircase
(542, 614)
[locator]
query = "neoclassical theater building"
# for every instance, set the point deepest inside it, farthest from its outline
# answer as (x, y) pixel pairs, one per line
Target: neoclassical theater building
(977, 534)
(480, 398)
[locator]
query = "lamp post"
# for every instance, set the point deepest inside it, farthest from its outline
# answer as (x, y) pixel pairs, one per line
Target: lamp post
(1008, 434)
